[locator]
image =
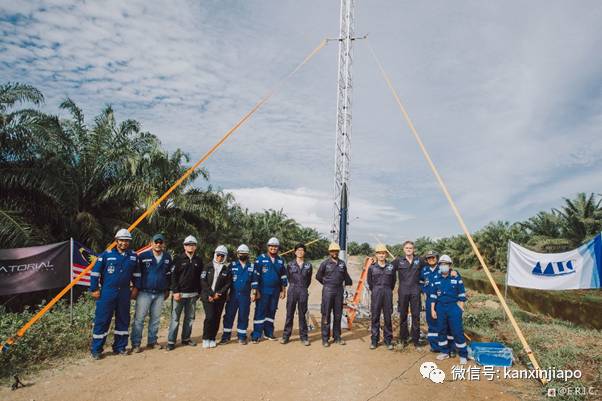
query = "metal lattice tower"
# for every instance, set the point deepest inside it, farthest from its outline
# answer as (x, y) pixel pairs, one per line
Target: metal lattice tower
(343, 128)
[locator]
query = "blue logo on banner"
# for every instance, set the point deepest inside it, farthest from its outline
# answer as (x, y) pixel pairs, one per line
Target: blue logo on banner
(554, 269)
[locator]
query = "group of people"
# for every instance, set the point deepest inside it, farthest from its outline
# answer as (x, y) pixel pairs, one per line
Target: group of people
(120, 275)
(444, 300)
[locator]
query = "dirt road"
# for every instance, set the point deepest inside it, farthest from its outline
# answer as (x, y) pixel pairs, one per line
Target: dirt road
(265, 371)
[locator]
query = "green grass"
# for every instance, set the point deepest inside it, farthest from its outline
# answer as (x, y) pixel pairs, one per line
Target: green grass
(555, 343)
(53, 337)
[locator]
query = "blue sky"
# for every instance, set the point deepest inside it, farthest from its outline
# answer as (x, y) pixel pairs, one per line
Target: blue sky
(506, 95)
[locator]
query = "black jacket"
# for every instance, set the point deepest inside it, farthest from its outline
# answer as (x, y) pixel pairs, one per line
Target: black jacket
(186, 274)
(224, 281)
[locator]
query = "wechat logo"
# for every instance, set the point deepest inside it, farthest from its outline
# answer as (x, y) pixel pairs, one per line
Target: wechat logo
(429, 370)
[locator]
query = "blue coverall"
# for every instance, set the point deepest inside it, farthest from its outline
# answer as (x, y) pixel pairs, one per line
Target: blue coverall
(447, 291)
(427, 277)
(114, 271)
(239, 299)
(270, 279)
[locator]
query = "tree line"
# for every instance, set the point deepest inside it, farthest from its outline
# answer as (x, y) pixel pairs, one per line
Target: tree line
(576, 221)
(67, 177)
(70, 177)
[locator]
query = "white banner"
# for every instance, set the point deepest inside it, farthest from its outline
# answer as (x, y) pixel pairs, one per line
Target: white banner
(577, 269)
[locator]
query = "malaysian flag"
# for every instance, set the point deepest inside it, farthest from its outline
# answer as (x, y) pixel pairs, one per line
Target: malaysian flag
(83, 256)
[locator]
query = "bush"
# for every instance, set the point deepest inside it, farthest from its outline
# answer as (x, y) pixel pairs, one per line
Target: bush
(50, 338)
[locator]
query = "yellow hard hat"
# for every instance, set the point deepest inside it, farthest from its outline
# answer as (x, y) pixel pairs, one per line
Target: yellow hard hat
(380, 248)
(334, 247)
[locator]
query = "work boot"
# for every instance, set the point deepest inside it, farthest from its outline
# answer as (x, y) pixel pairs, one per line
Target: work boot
(271, 338)
(136, 349)
(325, 344)
(306, 342)
(170, 347)
(390, 347)
(373, 345)
(255, 341)
(152, 346)
(284, 340)
(121, 353)
(242, 341)
(189, 343)
(96, 357)
(340, 341)
(224, 341)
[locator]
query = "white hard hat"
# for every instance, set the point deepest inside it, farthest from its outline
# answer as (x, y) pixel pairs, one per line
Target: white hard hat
(221, 250)
(123, 234)
(274, 241)
(445, 259)
(190, 240)
(243, 249)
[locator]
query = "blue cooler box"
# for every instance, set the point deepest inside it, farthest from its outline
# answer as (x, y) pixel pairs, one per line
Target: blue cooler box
(491, 354)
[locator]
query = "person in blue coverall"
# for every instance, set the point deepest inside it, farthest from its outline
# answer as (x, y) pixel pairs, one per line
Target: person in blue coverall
(427, 276)
(110, 281)
(239, 300)
(269, 285)
(448, 295)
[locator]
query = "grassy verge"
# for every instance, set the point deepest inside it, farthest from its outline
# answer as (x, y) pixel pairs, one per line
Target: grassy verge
(555, 343)
(53, 338)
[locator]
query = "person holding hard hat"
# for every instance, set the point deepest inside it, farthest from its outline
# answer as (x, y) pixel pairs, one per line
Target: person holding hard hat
(216, 280)
(333, 276)
(239, 300)
(269, 285)
(381, 282)
(110, 281)
(448, 296)
(299, 274)
(185, 287)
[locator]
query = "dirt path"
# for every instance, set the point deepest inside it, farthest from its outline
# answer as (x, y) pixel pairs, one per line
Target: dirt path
(266, 371)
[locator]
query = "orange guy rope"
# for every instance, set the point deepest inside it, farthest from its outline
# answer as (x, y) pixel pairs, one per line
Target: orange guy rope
(406, 116)
(309, 243)
(156, 203)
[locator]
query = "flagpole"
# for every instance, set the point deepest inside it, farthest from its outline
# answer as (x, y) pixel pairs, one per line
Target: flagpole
(70, 279)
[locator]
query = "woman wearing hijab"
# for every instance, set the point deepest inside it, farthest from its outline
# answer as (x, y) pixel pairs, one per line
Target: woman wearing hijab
(215, 283)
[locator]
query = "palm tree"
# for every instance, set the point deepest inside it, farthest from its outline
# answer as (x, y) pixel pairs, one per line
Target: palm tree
(581, 218)
(29, 190)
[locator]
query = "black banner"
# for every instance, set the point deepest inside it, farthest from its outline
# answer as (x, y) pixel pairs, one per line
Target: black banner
(34, 268)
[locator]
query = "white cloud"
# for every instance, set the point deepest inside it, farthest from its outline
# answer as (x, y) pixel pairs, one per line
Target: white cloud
(506, 96)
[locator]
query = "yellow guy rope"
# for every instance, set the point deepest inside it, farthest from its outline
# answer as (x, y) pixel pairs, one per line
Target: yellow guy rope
(156, 203)
(406, 116)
